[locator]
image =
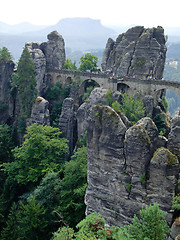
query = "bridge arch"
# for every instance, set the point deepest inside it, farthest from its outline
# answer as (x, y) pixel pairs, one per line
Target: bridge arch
(122, 87)
(85, 85)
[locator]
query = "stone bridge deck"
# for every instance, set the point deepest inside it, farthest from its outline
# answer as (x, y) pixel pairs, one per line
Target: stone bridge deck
(133, 85)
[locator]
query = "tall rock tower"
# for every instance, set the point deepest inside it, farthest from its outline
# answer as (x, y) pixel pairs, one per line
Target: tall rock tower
(139, 52)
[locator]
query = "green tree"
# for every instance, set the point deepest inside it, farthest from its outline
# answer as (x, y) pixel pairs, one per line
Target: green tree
(88, 62)
(6, 144)
(42, 151)
(109, 98)
(74, 184)
(32, 222)
(151, 225)
(11, 231)
(133, 108)
(5, 55)
(69, 65)
(26, 81)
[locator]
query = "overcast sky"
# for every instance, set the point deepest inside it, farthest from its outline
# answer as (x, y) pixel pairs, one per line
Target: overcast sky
(113, 12)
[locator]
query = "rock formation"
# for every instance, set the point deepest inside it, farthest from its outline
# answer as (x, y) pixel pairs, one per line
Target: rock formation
(39, 112)
(124, 173)
(6, 101)
(138, 52)
(67, 122)
(47, 56)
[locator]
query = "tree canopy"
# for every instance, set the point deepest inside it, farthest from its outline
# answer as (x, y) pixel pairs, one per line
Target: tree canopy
(88, 62)
(26, 81)
(42, 151)
(5, 55)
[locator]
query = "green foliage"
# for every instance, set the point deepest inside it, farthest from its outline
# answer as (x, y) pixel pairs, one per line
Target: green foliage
(160, 123)
(74, 184)
(132, 107)
(151, 225)
(42, 151)
(139, 62)
(11, 231)
(26, 222)
(108, 97)
(87, 93)
(88, 62)
(6, 144)
(3, 107)
(64, 233)
(91, 228)
(143, 178)
(176, 199)
(26, 82)
(21, 124)
(69, 65)
(5, 55)
(116, 106)
(164, 103)
(55, 95)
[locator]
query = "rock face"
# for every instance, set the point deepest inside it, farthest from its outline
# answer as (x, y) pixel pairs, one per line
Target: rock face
(139, 52)
(67, 122)
(174, 136)
(6, 101)
(40, 112)
(47, 56)
(124, 173)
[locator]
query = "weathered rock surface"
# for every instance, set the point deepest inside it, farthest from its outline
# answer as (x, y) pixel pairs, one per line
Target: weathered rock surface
(40, 112)
(164, 170)
(97, 97)
(174, 136)
(6, 101)
(67, 122)
(47, 56)
(138, 52)
(123, 175)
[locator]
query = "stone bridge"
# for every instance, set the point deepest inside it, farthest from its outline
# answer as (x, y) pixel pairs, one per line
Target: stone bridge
(126, 84)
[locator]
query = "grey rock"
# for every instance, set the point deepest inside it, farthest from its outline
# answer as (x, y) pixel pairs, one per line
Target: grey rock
(138, 52)
(97, 96)
(39, 61)
(174, 136)
(54, 51)
(164, 170)
(39, 112)
(67, 122)
(123, 173)
(6, 101)
(47, 56)
(105, 135)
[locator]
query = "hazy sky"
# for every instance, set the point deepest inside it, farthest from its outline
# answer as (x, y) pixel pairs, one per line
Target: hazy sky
(113, 12)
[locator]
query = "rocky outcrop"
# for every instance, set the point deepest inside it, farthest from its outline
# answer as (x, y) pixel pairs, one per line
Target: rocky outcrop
(124, 173)
(39, 112)
(174, 136)
(47, 56)
(139, 52)
(164, 170)
(67, 122)
(6, 101)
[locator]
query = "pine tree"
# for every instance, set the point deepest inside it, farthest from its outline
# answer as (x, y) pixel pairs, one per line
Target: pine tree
(26, 82)
(11, 230)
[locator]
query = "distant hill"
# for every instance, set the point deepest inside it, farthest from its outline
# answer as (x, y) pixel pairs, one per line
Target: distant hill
(78, 33)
